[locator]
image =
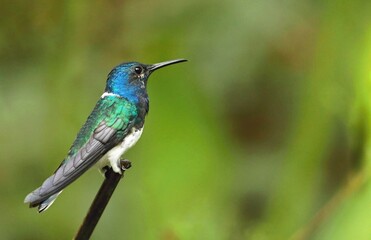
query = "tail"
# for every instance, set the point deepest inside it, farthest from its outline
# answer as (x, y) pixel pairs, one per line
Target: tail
(33, 200)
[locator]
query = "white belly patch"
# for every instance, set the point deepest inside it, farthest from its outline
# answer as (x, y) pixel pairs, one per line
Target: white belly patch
(112, 157)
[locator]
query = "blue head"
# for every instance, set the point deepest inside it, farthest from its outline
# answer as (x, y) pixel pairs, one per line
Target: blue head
(129, 80)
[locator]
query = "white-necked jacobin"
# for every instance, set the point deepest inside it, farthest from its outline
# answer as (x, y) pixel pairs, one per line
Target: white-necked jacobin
(113, 127)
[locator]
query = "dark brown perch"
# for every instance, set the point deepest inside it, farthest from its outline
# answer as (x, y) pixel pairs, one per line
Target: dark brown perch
(101, 200)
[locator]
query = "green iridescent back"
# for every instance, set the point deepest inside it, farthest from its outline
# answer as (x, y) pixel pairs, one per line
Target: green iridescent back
(115, 111)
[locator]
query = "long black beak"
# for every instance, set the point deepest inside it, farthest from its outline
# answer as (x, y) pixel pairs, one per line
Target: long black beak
(156, 66)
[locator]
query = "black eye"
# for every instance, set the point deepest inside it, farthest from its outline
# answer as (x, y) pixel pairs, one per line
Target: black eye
(138, 70)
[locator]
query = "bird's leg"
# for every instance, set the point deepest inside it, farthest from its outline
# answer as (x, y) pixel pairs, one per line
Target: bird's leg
(116, 167)
(122, 165)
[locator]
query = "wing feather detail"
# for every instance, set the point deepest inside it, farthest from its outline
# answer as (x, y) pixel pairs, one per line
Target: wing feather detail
(105, 135)
(68, 172)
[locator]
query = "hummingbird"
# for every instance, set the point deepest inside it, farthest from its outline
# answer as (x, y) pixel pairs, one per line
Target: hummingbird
(115, 125)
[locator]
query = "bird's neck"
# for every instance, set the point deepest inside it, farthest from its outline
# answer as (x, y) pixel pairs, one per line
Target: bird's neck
(132, 94)
(139, 98)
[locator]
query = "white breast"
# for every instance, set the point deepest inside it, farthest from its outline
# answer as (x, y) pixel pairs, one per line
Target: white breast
(112, 157)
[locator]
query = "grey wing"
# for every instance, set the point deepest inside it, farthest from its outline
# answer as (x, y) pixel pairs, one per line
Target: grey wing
(99, 144)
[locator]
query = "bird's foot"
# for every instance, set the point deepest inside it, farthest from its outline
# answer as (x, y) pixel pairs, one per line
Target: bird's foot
(116, 167)
(124, 165)
(104, 170)
(121, 166)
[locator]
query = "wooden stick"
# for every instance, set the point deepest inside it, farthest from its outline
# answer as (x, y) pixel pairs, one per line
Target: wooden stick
(101, 200)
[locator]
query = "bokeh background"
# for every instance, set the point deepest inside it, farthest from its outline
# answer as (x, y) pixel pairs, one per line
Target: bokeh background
(263, 134)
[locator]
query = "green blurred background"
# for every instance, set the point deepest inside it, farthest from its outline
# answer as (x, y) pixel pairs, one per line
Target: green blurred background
(263, 134)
